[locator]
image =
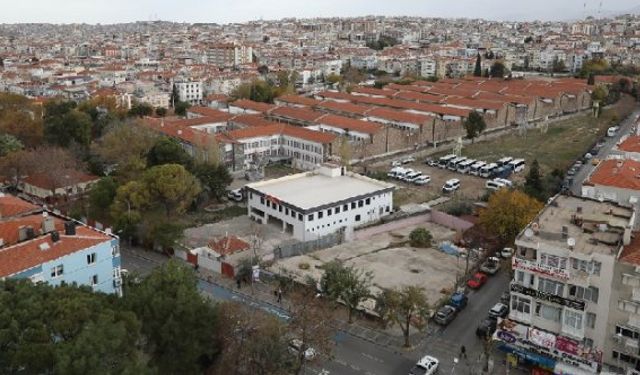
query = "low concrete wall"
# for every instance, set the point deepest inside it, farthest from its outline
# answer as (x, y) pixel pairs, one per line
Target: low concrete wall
(367, 233)
(302, 248)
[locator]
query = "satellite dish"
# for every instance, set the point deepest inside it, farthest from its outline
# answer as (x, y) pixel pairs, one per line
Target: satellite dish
(571, 241)
(528, 233)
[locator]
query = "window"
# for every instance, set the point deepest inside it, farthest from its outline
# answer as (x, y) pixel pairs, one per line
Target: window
(360, 203)
(587, 342)
(345, 207)
(310, 217)
(338, 210)
(286, 211)
(300, 217)
(280, 208)
(353, 205)
(553, 261)
(293, 213)
(550, 286)
(261, 200)
(573, 320)
(590, 294)
(627, 332)
(591, 320)
(320, 214)
(592, 267)
(115, 250)
(329, 212)
(94, 280)
(91, 258)
(368, 201)
(357, 217)
(524, 278)
(57, 271)
(521, 305)
(268, 203)
(548, 312)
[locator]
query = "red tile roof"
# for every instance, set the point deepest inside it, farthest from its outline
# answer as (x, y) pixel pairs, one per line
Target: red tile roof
(251, 105)
(631, 144)
(228, 245)
(418, 97)
(14, 206)
(400, 116)
(71, 177)
(282, 129)
(28, 254)
(624, 174)
(297, 99)
(207, 112)
(251, 120)
(631, 252)
(333, 106)
(301, 114)
(350, 124)
(9, 228)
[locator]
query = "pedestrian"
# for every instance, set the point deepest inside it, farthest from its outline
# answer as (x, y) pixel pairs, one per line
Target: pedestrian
(279, 295)
(238, 282)
(463, 352)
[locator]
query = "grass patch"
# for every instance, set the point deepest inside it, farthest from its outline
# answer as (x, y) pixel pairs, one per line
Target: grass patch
(203, 217)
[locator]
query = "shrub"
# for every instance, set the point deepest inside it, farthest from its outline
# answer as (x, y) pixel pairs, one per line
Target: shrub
(420, 237)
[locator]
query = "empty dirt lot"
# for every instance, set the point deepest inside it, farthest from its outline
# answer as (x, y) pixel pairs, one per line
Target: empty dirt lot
(392, 262)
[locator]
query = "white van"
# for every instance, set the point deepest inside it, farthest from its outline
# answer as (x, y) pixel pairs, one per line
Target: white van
(451, 185)
(453, 164)
(504, 161)
(475, 168)
(517, 165)
(611, 132)
(486, 171)
(444, 161)
(465, 166)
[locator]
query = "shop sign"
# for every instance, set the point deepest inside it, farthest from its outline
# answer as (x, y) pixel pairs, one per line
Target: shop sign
(527, 265)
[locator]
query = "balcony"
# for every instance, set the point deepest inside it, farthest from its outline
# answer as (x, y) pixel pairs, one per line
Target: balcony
(631, 280)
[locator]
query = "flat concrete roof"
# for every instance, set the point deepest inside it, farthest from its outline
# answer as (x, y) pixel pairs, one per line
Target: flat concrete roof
(593, 226)
(311, 189)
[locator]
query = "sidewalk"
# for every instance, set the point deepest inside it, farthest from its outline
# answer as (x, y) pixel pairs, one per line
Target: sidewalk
(264, 292)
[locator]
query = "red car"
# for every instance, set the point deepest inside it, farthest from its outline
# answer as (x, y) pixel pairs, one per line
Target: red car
(478, 280)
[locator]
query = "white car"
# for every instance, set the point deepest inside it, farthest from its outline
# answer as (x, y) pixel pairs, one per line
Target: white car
(507, 252)
(494, 185)
(403, 175)
(427, 365)
(235, 195)
(294, 348)
(504, 181)
(411, 177)
(422, 180)
(451, 185)
(395, 163)
(408, 159)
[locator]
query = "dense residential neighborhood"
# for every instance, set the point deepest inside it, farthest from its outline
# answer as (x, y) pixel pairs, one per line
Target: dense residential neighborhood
(330, 195)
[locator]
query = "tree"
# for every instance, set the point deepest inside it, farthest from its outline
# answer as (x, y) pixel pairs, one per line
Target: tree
(124, 147)
(141, 110)
(311, 324)
(346, 284)
(333, 78)
(101, 197)
(214, 178)
(599, 93)
(131, 200)
(474, 125)
(9, 144)
(346, 152)
(407, 307)
(180, 108)
(477, 72)
(594, 67)
(591, 80)
(498, 70)
(175, 96)
(558, 65)
(256, 90)
(172, 187)
(62, 129)
(507, 213)
(168, 151)
(420, 237)
(179, 324)
(161, 111)
(533, 182)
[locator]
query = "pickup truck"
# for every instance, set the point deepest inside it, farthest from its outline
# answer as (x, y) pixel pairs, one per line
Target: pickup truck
(491, 266)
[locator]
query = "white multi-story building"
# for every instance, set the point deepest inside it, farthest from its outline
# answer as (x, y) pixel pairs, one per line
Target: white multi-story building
(189, 91)
(563, 283)
(313, 204)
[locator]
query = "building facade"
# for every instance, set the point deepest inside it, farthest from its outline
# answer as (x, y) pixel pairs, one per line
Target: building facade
(189, 91)
(313, 204)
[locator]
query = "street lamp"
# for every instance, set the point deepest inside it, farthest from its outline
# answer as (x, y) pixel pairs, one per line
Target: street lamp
(455, 362)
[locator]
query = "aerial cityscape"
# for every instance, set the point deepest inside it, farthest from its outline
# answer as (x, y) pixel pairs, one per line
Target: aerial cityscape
(332, 188)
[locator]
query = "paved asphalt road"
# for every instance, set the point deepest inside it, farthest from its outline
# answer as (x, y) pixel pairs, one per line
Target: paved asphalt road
(355, 356)
(583, 173)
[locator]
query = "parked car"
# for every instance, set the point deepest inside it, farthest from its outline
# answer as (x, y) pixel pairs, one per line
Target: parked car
(494, 185)
(294, 348)
(235, 195)
(588, 156)
(477, 280)
(458, 300)
(486, 328)
(427, 365)
(396, 163)
(612, 131)
(431, 162)
(410, 177)
(408, 159)
(451, 185)
(491, 266)
(422, 180)
(499, 310)
(445, 315)
(504, 181)
(506, 252)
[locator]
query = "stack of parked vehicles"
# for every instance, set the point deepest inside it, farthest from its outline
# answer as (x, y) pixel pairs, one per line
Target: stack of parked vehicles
(503, 168)
(409, 175)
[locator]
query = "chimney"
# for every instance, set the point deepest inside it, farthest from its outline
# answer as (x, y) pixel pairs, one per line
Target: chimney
(22, 233)
(55, 236)
(70, 228)
(565, 231)
(48, 224)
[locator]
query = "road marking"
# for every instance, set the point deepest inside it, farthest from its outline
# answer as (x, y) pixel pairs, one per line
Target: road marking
(366, 355)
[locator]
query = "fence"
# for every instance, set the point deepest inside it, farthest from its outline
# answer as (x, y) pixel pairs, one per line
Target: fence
(302, 248)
